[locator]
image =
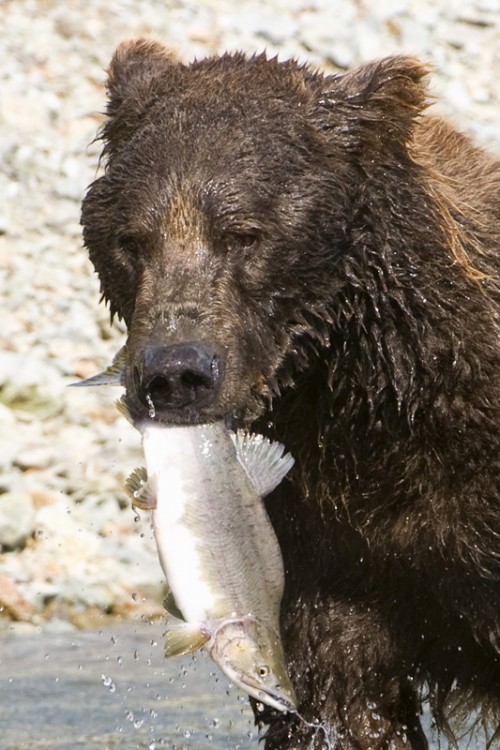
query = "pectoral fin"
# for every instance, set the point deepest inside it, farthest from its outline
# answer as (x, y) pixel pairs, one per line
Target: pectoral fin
(265, 463)
(183, 638)
(141, 491)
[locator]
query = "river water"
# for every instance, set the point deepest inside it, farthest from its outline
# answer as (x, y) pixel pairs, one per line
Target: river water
(112, 688)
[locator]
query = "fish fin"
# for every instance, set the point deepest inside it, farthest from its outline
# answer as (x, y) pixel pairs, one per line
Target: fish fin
(123, 409)
(112, 375)
(183, 638)
(264, 462)
(171, 606)
(141, 491)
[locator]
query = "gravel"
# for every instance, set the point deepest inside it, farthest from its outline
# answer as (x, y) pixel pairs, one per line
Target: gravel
(71, 549)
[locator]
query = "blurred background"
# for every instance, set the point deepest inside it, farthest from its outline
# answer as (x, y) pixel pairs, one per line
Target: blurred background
(72, 552)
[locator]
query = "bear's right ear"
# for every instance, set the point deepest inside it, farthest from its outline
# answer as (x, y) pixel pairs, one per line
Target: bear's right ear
(136, 74)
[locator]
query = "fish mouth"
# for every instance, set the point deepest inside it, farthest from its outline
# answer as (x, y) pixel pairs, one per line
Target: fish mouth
(280, 698)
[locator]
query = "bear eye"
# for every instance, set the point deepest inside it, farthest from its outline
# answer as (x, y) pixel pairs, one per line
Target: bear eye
(130, 245)
(243, 241)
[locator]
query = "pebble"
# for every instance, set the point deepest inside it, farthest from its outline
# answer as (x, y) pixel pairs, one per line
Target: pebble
(17, 517)
(69, 540)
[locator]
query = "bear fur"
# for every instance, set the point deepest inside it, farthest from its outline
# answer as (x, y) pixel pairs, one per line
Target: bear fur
(338, 247)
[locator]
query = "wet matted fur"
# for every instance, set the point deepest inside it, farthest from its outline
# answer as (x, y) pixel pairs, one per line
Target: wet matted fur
(338, 249)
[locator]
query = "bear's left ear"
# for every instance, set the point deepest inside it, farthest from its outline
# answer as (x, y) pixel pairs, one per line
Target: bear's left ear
(375, 104)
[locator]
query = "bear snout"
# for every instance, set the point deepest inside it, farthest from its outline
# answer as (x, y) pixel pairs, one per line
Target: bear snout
(178, 376)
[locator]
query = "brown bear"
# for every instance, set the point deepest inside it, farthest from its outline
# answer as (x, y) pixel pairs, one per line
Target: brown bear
(314, 258)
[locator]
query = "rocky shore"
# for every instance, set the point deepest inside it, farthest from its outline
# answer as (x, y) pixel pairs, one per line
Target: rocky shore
(72, 551)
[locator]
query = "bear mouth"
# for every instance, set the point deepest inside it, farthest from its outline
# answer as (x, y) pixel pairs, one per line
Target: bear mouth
(142, 415)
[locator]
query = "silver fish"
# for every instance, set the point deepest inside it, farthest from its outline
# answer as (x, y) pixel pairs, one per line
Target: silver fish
(222, 560)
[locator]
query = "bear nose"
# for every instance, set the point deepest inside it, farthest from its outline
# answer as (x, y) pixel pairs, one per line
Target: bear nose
(179, 375)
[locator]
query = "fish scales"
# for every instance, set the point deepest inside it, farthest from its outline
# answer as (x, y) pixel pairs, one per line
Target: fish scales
(238, 512)
(213, 502)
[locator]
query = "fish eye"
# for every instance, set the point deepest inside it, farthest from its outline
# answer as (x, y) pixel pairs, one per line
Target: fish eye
(263, 671)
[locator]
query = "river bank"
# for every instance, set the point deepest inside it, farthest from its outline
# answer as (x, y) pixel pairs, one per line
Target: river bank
(72, 551)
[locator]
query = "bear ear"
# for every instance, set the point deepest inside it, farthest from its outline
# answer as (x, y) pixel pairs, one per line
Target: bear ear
(375, 104)
(138, 71)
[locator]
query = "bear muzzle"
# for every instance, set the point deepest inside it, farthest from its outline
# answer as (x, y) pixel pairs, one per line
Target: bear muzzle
(178, 376)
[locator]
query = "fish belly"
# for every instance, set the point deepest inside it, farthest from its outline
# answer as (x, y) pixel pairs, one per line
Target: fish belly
(214, 539)
(179, 549)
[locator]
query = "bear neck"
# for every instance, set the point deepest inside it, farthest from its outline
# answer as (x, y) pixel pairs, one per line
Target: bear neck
(395, 379)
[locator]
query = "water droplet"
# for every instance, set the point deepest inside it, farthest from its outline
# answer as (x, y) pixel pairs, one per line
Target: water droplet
(152, 410)
(108, 682)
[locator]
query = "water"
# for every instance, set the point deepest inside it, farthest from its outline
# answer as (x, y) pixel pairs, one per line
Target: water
(114, 689)
(152, 409)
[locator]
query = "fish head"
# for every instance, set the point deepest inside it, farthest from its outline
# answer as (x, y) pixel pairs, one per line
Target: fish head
(250, 653)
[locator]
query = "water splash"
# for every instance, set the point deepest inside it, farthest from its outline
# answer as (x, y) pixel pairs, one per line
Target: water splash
(137, 722)
(108, 682)
(329, 734)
